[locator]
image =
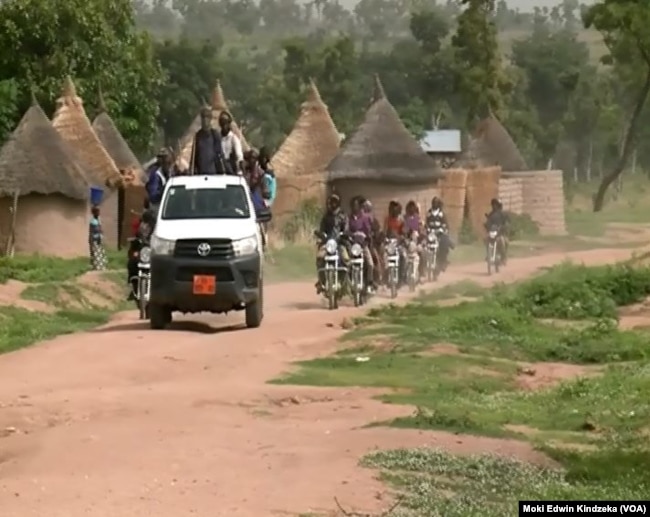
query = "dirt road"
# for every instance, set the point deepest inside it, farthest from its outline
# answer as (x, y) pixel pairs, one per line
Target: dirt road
(125, 422)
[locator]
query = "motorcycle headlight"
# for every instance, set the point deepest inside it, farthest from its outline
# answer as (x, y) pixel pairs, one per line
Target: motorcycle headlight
(331, 247)
(493, 234)
(413, 247)
(162, 246)
(356, 250)
(431, 237)
(245, 246)
(145, 254)
(391, 249)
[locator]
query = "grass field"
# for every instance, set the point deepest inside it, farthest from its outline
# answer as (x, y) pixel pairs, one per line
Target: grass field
(464, 369)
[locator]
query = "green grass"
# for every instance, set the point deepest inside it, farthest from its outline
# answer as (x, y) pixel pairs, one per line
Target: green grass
(20, 328)
(436, 483)
(476, 390)
(595, 427)
(293, 262)
(41, 269)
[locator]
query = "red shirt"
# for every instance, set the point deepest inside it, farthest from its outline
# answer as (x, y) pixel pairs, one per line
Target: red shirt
(135, 225)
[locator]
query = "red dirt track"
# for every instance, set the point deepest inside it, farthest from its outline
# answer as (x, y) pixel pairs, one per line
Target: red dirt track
(124, 422)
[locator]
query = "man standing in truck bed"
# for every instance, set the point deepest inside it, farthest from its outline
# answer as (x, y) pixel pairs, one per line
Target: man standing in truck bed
(207, 151)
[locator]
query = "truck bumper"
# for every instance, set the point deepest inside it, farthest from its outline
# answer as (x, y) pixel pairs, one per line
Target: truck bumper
(237, 283)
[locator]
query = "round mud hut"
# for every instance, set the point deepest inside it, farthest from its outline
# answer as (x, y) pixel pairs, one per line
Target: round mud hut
(382, 161)
(301, 161)
(131, 192)
(218, 105)
(44, 194)
(72, 124)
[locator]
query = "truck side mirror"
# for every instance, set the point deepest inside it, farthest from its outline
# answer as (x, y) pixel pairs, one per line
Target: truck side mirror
(263, 215)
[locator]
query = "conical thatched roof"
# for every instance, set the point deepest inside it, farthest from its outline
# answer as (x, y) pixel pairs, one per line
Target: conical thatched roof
(37, 160)
(218, 105)
(71, 122)
(492, 145)
(113, 141)
(313, 141)
(382, 149)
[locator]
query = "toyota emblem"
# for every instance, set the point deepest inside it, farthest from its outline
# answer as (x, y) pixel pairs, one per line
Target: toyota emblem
(203, 249)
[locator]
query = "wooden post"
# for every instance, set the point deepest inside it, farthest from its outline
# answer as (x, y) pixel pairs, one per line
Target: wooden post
(10, 249)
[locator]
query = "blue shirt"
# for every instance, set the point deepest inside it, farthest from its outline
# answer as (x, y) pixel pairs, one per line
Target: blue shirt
(271, 185)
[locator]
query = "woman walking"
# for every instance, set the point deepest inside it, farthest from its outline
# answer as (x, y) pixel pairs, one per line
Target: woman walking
(96, 242)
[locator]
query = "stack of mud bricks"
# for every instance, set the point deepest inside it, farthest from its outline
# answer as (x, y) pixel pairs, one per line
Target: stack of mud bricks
(511, 194)
(542, 194)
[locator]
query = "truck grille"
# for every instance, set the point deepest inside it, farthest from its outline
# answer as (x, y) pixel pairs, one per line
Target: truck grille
(186, 273)
(219, 248)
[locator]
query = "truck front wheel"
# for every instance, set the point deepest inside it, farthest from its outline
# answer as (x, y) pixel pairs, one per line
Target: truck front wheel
(255, 310)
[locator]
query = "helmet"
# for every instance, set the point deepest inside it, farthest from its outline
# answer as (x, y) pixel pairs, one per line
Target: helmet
(495, 203)
(367, 205)
(436, 202)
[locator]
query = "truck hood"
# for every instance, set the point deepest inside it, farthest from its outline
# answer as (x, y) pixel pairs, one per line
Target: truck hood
(206, 229)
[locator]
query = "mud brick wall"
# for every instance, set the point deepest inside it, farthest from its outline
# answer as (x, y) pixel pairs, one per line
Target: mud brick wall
(511, 194)
(543, 199)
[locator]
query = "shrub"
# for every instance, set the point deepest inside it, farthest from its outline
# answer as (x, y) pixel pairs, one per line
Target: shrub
(521, 226)
(303, 222)
(571, 291)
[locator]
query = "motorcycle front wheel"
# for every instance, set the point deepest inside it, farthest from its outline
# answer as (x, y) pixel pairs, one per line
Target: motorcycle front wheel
(142, 302)
(332, 295)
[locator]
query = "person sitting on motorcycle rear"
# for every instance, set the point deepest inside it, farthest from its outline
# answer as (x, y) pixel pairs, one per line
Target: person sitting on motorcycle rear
(437, 221)
(141, 238)
(333, 224)
(394, 229)
(497, 217)
(375, 239)
(359, 221)
(412, 225)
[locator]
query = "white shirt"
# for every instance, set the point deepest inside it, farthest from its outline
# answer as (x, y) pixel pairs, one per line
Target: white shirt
(231, 143)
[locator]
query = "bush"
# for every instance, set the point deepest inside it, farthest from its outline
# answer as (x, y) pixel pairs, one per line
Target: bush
(521, 226)
(574, 292)
(301, 225)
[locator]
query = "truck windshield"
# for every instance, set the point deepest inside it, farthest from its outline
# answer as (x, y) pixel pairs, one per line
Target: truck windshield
(230, 202)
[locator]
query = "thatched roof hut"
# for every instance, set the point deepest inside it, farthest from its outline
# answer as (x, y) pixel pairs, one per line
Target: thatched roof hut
(132, 193)
(114, 143)
(382, 160)
(491, 144)
(218, 105)
(51, 214)
(36, 160)
(71, 122)
(313, 141)
(302, 158)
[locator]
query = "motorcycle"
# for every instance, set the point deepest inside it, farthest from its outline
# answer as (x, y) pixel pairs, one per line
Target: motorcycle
(433, 244)
(357, 273)
(412, 262)
(392, 260)
(141, 284)
(493, 257)
(334, 271)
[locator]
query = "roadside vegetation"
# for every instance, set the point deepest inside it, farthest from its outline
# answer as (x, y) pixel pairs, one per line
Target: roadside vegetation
(543, 361)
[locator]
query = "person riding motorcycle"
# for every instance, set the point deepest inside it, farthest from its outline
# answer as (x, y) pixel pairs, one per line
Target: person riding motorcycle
(141, 238)
(394, 229)
(333, 224)
(360, 222)
(497, 217)
(437, 221)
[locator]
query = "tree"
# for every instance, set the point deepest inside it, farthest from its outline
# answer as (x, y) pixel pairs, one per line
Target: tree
(190, 71)
(552, 61)
(477, 54)
(8, 107)
(624, 26)
(94, 41)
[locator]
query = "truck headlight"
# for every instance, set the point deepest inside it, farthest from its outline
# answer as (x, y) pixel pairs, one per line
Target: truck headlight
(246, 246)
(145, 255)
(162, 246)
(331, 247)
